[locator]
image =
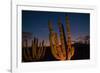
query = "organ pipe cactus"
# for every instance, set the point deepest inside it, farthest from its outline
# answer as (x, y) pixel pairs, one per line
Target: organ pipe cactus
(66, 50)
(57, 51)
(26, 51)
(38, 49)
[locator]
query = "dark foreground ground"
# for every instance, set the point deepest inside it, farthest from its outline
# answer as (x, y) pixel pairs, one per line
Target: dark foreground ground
(82, 52)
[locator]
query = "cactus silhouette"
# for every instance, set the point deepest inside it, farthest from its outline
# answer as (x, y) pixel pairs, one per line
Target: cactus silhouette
(26, 51)
(38, 50)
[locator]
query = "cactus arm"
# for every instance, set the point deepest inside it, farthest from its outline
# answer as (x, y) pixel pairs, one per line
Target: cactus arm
(53, 47)
(37, 49)
(43, 49)
(70, 49)
(27, 52)
(33, 48)
(62, 38)
(43, 54)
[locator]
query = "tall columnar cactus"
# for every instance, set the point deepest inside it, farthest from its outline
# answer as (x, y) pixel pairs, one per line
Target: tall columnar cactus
(26, 51)
(62, 37)
(38, 49)
(57, 51)
(70, 50)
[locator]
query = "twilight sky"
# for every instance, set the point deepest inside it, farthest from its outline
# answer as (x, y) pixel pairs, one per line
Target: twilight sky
(36, 22)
